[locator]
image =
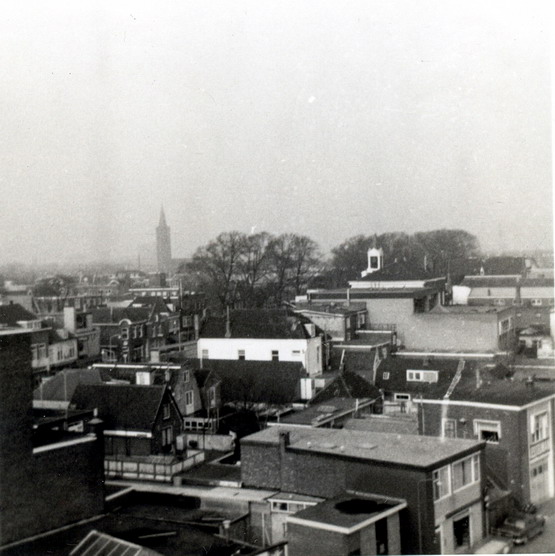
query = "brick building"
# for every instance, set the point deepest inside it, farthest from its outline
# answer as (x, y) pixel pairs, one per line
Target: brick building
(441, 480)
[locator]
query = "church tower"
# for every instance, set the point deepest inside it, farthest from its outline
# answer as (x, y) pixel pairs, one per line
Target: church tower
(163, 245)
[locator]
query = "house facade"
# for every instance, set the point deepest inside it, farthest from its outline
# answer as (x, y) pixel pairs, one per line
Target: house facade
(263, 335)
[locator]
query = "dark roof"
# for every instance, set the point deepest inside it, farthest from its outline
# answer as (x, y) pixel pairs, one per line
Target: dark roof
(331, 307)
(121, 406)
(502, 391)
(13, 313)
(258, 323)
(62, 385)
(490, 281)
(346, 385)
(154, 303)
(275, 382)
(107, 315)
(504, 265)
(372, 293)
(399, 270)
(353, 360)
(397, 368)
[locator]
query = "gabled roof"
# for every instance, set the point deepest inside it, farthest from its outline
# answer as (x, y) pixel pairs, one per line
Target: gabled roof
(121, 406)
(274, 382)
(347, 385)
(113, 315)
(258, 323)
(13, 313)
(62, 385)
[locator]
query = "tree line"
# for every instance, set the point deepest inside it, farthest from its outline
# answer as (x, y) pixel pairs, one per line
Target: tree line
(263, 270)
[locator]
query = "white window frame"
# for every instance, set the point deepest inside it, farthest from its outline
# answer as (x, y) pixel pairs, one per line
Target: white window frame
(487, 426)
(536, 302)
(385, 375)
(444, 422)
(401, 397)
(189, 397)
(542, 430)
(445, 483)
(473, 463)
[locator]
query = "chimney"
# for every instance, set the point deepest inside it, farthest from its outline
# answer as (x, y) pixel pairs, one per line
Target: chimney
(478, 377)
(530, 382)
(284, 440)
(227, 324)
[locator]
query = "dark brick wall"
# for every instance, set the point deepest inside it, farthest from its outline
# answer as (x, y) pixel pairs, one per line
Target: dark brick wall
(43, 491)
(508, 458)
(260, 467)
(306, 541)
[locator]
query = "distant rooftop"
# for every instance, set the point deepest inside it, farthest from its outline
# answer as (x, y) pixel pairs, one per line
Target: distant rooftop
(385, 448)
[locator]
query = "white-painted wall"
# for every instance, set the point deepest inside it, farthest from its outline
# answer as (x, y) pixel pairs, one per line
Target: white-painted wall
(460, 295)
(300, 351)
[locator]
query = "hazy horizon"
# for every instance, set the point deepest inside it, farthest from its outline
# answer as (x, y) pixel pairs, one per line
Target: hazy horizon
(324, 119)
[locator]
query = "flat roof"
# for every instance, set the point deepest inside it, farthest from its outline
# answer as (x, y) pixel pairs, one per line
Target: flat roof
(348, 513)
(326, 411)
(396, 449)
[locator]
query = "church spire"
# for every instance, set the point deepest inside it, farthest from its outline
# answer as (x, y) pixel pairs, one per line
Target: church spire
(162, 222)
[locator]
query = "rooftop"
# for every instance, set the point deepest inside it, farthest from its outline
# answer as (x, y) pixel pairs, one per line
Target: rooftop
(369, 293)
(349, 512)
(399, 271)
(257, 323)
(332, 308)
(384, 448)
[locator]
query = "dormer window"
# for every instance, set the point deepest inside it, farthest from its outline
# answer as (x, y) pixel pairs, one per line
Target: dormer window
(421, 376)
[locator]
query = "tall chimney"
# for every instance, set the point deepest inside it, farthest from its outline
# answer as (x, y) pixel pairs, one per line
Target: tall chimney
(227, 324)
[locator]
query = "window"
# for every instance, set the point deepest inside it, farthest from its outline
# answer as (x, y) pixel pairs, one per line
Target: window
(125, 333)
(166, 411)
(296, 352)
(449, 428)
(275, 355)
(402, 397)
(241, 355)
(441, 483)
(204, 354)
(421, 376)
(465, 472)
(167, 436)
(42, 351)
(539, 427)
(499, 302)
(536, 302)
(189, 397)
(490, 431)
(317, 355)
(385, 375)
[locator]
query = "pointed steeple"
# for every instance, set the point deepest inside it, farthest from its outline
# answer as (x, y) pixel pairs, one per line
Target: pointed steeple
(162, 223)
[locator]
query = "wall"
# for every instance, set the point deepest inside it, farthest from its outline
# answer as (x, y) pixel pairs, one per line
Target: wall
(306, 541)
(455, 332)
(261, 350)
(505, 459)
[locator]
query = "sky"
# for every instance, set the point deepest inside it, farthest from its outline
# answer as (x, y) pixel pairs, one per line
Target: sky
(328, 119)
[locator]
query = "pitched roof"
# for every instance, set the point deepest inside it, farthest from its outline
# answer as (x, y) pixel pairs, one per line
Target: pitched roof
(391, 375)
(107, 315)
(99, 544)
(276, 382)
(258, 323)
(62, 385)
(13, 313)
(154, 303)
(346, 385)
(121, 406)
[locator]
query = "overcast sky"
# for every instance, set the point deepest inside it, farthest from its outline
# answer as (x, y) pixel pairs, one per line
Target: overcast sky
(328, 119)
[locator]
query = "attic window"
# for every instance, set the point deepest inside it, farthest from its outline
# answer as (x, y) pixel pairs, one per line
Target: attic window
(241, 355)
(385, 376)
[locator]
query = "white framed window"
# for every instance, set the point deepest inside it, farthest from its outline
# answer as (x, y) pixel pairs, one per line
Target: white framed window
(241, 355)
(536, 302)
(539, 427)
(275, 355)
(490, 431)
(421, 376)
(442, 483)
(465, 472)
(401, 397)
(125, 333)
(204, 354)
(189, 397)
(167, 436)
(385, 375)
(449, 428)
(166, 411)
